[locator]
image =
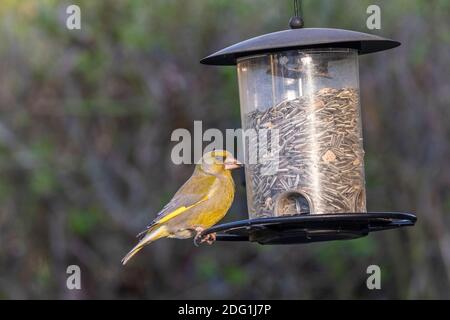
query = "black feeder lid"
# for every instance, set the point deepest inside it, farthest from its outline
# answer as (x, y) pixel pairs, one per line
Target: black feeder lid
(303, 38)
(306, 228)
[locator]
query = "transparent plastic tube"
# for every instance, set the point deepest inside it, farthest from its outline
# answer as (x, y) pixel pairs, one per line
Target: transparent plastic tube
(303, 138)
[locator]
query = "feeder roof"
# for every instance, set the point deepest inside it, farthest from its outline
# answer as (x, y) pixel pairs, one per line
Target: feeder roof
(304, 38)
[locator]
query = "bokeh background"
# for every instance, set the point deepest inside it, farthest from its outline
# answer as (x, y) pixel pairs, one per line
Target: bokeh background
(85, 124)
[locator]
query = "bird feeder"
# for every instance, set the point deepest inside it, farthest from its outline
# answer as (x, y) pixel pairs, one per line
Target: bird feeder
(304, 157)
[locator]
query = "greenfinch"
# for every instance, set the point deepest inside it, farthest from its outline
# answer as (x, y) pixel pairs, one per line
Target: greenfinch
(199, 204)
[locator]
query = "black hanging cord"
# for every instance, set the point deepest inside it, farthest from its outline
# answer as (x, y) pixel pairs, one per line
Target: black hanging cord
(297, 8)
(296, 21)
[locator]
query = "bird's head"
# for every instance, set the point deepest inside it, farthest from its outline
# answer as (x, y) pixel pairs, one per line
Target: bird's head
(218, 161)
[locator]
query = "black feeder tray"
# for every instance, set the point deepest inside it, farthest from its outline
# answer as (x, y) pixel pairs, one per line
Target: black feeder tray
(292, 62)
(308, 228)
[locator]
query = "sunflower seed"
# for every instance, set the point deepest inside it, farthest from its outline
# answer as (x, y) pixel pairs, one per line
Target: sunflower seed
(320, 153)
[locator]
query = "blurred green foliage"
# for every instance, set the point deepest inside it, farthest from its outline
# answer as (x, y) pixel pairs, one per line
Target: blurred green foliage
(82, 222)
(85, 124)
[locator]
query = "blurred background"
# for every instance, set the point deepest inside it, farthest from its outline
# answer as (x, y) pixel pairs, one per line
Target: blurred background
(85, 123)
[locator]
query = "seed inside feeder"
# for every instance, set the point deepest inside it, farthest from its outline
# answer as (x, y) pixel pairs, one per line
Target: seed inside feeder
(320, 155)
(315, 164)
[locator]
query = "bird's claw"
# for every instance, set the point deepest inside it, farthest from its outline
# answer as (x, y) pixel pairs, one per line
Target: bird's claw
(200, 238)
(196, 240)
(209, 238)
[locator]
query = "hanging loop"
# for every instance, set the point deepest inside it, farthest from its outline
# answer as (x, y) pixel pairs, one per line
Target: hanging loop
(296, 22)
(296, 8)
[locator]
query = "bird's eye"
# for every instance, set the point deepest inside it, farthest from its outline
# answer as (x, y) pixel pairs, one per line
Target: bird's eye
(219, 158)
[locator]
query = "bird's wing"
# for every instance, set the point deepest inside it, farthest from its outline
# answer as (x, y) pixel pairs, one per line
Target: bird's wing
(191, 194)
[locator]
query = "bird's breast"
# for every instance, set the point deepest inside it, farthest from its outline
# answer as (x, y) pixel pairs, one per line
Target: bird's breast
(219, 201)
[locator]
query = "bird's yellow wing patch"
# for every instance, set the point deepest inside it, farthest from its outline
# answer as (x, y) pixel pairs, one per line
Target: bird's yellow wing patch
(178, 211)
(193, 192)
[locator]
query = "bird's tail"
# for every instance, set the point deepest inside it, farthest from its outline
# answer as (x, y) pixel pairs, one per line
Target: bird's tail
(152, 235)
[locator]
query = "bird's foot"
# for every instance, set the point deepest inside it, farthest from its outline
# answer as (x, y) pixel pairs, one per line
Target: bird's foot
(209, 238)
(199, 238)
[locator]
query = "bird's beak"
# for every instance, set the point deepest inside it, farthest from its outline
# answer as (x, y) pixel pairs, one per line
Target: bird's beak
(232, 163)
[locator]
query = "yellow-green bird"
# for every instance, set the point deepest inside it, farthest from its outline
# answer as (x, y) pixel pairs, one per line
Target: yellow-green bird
(199, 204)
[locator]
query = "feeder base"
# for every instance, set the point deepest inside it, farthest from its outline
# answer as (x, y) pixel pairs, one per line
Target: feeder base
(307, 228)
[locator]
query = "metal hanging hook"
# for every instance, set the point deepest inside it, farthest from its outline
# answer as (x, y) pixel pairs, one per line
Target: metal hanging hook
(296, 22)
